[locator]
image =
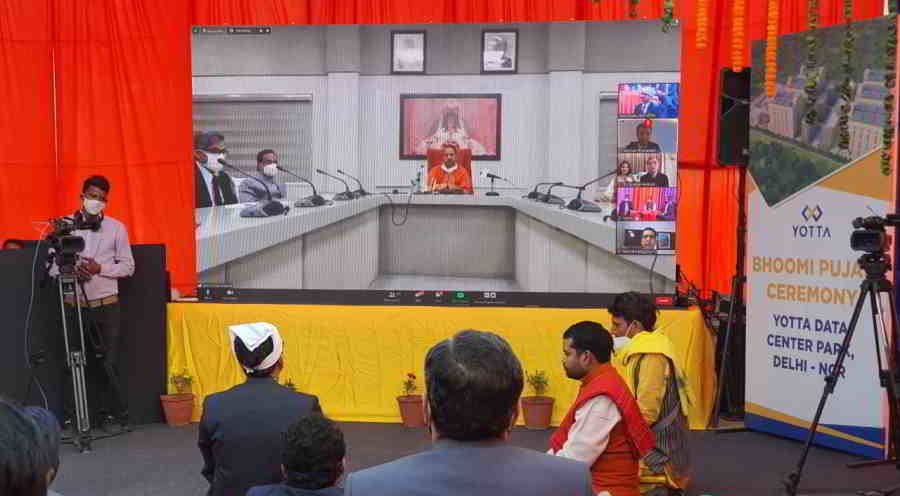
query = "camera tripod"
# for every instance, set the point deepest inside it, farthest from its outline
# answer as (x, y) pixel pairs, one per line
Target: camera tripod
(875, 266)
(76, 356)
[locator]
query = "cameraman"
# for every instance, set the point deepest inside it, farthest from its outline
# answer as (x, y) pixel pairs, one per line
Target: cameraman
(106, 258)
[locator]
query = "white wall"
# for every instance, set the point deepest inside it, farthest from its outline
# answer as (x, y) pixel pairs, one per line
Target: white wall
(550, 124)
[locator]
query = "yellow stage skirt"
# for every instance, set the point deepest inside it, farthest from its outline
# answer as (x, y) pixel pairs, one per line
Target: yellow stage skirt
(354, 358)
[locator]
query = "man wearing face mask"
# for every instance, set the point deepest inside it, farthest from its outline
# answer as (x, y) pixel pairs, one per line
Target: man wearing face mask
(653, 372)
(213, 186)
(106, 258)
(266, 171)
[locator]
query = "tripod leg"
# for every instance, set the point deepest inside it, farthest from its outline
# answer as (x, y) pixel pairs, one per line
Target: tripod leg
(793, 479)
(723, 363)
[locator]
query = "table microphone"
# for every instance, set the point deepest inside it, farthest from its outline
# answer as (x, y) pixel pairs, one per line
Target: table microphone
(360, 192)
(310, 201)
(346, 195)
(550, 198)
(270, 207)
(584, 205)
(534, 195)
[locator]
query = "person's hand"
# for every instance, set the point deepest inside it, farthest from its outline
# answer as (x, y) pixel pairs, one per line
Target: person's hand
(89, 266)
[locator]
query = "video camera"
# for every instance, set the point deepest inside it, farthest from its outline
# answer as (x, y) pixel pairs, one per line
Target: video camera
(870, 236)
(66, 246)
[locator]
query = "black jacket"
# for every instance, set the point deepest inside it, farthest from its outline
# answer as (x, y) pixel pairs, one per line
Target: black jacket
(241, 434)
(201, 192)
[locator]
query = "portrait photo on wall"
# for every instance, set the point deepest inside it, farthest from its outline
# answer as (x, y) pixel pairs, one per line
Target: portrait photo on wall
(648, 135)
(645, 238)
(407, 52)
(655, 100)
(470, 121)
(498, 51)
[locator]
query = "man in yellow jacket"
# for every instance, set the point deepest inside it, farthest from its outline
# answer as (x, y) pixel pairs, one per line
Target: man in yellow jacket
(648, 364)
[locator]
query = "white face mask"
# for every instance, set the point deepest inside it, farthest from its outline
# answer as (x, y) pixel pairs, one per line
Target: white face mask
(620, 342)
(212, 162)
(270, 170)
(93, 207)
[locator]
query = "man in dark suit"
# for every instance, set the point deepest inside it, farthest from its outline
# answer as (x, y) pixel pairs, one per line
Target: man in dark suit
(654, 177)
(241, 430)
(648, 107)
(473, 383)
(668, 211)
(643, 143)
(212, 185)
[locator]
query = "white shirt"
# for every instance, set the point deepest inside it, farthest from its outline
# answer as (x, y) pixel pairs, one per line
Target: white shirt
(589, 434)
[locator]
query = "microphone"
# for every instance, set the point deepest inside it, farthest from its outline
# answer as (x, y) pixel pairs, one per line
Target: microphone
(492, 177)
(534, 195)
(269, 206)
(583, 205)
(346, 195)
(551, 198)
(360, 192)
(310, 201)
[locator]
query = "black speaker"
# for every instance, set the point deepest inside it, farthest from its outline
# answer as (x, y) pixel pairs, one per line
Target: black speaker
(734, 118)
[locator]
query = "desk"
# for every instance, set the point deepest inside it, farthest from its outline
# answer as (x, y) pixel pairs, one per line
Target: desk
(481, 242)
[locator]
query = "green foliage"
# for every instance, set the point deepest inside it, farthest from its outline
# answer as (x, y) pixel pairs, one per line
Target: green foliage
(780, 169)
(847, 84)
(182, 382)
(409, 384)
(538, 381)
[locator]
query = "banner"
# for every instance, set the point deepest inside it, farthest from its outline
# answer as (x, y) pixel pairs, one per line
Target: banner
(803, 277)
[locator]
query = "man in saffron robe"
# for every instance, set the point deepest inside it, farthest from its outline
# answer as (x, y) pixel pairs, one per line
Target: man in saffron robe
(654, 373)
(604, 428)
(449, 177)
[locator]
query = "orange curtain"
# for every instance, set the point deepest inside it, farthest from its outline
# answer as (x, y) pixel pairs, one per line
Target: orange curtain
(124, 91)
(119, 73)
(27, 143)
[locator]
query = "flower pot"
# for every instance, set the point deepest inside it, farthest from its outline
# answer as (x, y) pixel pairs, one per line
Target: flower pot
(537, 411)
(178, 408)
(411, 410)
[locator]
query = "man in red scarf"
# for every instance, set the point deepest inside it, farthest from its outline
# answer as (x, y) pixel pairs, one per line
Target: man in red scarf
(604, 428)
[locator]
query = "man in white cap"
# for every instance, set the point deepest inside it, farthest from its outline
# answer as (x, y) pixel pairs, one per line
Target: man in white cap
(241, 429)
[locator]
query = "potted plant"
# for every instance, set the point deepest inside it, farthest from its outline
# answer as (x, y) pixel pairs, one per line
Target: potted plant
(179, 407)
(410, 404)
(537, 409)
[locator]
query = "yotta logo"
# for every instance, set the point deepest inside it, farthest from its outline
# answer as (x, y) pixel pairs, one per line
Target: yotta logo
(811, 213)
(812, 229)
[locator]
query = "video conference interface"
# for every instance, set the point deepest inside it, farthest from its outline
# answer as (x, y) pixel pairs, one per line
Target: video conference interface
(260, 162)
(644, 190)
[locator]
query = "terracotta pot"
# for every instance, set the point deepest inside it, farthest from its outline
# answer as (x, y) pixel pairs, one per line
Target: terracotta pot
(411, 410)
(178, 408)
(537, 411)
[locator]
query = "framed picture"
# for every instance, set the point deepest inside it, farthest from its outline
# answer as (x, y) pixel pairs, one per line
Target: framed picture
(407, 52)
(428, 121)
(499, 52)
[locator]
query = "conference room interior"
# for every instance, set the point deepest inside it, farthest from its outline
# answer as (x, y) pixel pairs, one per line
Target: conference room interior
(327, 98)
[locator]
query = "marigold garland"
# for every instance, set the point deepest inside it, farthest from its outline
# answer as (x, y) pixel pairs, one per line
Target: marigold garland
(737, 36)
(812, 117)
(702, 23)
(890, 77)
(771, 47)
(846, 87)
